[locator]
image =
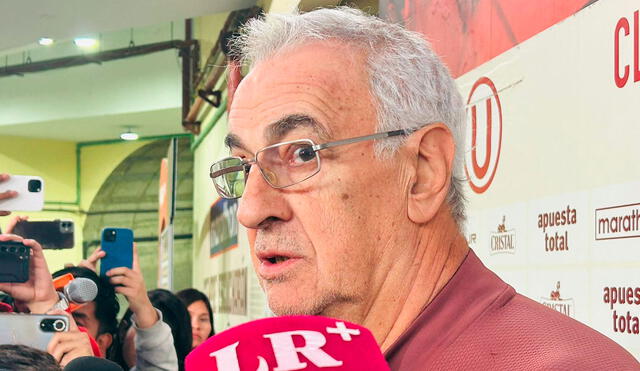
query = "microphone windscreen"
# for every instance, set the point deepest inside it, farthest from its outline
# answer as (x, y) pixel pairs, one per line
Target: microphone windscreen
(81, 290)
(92, 364)
(289, 343)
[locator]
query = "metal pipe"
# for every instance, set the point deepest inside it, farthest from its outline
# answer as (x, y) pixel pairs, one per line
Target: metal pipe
(105, 56)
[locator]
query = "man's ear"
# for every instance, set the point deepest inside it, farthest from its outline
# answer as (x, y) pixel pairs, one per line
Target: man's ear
(104, 342)
(434, 147)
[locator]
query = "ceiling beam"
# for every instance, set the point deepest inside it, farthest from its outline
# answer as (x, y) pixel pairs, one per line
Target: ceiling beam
(105, 56)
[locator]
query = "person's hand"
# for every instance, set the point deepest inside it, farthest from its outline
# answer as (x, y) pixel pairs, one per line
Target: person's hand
(6, 194)
(132, 287)
(92, 261)
(69, 345)
(38, 293)
(12, 223)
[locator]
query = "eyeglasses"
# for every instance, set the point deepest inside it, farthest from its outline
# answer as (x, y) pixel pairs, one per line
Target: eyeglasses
(282, 164)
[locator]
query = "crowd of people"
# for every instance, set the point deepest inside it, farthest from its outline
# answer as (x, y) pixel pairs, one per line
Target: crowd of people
(156, 332)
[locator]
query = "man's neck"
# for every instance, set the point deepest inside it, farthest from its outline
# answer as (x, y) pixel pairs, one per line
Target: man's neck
(437, 252)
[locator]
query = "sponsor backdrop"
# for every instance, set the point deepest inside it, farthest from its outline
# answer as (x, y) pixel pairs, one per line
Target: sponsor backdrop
(553, 93)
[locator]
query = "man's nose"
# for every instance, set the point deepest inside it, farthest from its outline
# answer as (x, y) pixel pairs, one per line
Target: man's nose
(260, 201)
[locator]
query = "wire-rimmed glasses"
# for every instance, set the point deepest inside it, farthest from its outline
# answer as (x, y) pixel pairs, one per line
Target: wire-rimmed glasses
(282, 164)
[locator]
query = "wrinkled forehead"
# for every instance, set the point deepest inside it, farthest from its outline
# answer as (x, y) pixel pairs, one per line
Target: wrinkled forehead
(326, 83)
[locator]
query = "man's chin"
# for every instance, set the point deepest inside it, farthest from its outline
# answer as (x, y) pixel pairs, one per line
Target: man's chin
(283, 303)
(286, 307)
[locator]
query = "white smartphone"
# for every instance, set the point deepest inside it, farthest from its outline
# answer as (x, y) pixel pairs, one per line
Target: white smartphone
(30, 193)
(34, 330)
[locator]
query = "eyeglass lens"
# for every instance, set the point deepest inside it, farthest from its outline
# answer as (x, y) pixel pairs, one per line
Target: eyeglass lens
(229, 184)
(289, 163)
(281, 165)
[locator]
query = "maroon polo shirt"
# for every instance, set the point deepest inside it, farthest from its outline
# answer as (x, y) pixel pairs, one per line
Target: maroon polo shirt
(478, 322)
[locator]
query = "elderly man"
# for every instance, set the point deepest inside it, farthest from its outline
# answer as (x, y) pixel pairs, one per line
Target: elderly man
(346, 143)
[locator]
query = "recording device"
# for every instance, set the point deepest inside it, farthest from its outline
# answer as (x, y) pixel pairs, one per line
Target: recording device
(91, 363)
(117, 243)
(30, 193)
(290, 343)
(54, 234)
(34, 330)
(14, 262)
(78, 291)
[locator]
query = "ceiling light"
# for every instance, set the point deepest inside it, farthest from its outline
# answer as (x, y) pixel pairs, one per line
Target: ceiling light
(129, 135)
(85, 42)
(45, 41)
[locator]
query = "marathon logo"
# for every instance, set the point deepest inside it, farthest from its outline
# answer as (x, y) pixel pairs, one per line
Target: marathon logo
(617, 222)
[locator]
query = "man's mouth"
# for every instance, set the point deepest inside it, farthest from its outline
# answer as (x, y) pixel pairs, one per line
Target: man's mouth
(273, 264)
(277, 259)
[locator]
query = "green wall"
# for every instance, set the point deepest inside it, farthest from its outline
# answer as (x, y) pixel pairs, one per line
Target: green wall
(57, 163)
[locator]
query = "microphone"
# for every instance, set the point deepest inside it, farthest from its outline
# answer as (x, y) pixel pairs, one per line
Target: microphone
(289, 343)
(91, 363)
(78, 291)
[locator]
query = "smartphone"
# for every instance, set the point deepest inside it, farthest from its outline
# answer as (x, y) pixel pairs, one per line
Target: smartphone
(30, 193)
(14, 262)
(117, 243)
(34, 330)
(55, 234)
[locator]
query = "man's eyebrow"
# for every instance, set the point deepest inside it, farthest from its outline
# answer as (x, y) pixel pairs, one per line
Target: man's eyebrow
(278, 129)
(80, 315)
(282, 127)
(233, 141)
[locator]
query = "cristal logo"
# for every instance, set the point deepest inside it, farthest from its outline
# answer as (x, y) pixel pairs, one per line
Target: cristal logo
(504, 240)
(558, 303)
(484, 134)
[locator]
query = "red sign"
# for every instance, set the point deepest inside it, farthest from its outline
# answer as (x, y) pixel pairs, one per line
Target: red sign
(484, 134)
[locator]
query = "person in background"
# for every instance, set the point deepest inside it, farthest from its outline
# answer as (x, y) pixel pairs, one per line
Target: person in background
(148, 342)
(17, 357)
(175, 332)
(99, 316)
(201, 315)
(37, 295)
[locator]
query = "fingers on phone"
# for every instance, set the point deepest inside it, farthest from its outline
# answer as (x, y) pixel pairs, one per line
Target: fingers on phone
(8, 194)
(11, 237)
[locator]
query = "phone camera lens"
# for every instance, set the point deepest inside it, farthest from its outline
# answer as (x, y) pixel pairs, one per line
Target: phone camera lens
(110, 235)
(34, 185)
(22, 250)
(12, 249)
(59, 325)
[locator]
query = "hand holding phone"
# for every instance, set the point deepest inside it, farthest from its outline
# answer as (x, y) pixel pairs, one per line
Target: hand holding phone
(5, 195)
(21, 192)
(117, 244)
(69, 345)
(130, 283)
(37, 293)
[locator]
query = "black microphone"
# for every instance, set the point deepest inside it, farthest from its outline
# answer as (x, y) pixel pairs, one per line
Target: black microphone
(92, 363)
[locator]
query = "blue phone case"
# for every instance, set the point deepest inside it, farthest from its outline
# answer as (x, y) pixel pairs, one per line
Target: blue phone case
(118, 247)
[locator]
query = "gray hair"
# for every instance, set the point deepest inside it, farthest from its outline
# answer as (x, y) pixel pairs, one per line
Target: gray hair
(408, 81)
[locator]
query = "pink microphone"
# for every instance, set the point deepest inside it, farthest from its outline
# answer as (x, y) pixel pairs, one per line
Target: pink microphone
(289, 343)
